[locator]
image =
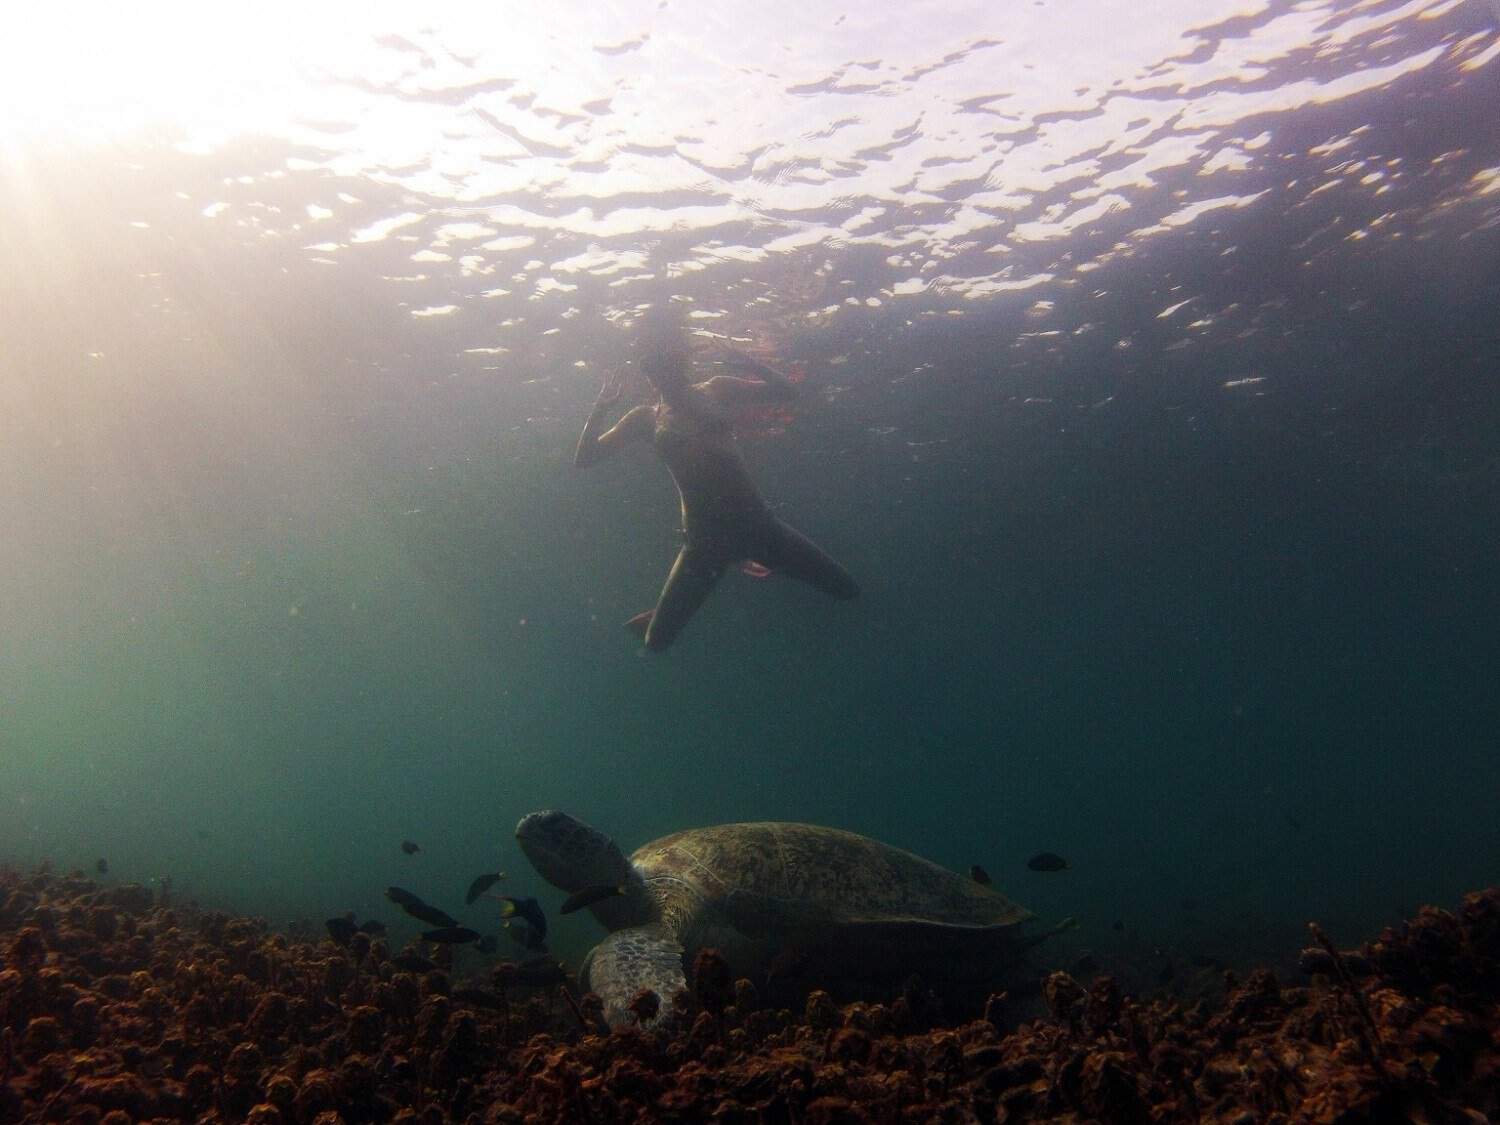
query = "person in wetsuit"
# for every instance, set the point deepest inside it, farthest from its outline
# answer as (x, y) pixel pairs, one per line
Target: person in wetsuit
(724, 519)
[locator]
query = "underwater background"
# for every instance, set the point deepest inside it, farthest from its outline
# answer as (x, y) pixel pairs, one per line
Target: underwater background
(1151, 363)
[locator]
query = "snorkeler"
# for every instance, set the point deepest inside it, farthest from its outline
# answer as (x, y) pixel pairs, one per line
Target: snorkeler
(724, 519)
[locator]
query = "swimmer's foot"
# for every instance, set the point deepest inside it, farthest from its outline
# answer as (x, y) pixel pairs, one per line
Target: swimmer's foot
(641, 622)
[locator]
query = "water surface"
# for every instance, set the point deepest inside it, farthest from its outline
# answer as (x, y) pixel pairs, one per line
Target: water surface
(1150, 359)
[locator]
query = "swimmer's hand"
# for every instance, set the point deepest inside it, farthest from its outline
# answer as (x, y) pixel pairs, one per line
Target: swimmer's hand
(598, 438)
(609, 394)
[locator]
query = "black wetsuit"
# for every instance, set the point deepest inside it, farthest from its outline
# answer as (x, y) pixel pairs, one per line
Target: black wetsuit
(724, 522)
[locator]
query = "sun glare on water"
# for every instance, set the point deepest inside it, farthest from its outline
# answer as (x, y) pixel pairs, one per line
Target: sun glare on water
(97, 72)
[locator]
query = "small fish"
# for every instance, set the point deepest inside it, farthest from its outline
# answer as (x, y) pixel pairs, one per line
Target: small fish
(488, 944)
(527, 908)
(432, 916)
(1190, 903)
(1204, 961)
(102, 866)
(341, 929)
(401, 897)
(373, 928)
(409, 848)
(979, 875)
(1087, 965)
(588, 897)
(1292, 822)
(482, 884)
(413, 963)
(753, 569)
(202, 833)
(419, 909)
(1047, 861)
(1168, 971)
(1119, 925)
(451, 935)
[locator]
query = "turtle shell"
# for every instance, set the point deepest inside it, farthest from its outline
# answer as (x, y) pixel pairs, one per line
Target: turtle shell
(770, 877)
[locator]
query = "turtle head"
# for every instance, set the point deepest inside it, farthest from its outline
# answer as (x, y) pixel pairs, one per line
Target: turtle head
(570, 854)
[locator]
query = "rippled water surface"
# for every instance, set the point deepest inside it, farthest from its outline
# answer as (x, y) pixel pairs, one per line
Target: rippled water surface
(1150, 353)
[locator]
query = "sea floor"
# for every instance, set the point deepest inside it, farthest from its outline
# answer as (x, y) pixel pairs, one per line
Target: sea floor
(117, 1008)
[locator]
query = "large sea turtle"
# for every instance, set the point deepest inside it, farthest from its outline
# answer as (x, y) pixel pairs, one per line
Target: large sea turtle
(843, 905)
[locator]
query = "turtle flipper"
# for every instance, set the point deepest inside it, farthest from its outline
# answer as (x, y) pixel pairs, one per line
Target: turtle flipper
(629, 960)
(1033, 940)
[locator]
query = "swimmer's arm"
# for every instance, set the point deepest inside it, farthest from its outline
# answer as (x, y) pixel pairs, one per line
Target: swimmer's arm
(744, 364)
(594, 446)
(730, 390)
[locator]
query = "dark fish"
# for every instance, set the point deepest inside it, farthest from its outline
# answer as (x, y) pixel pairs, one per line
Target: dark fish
(482, 884)
(979, 875)
(400, 897)
(1168, 971)
(1293, 822)
(451, 935)
(373, 928)
(341, 929)
(413, 963)
(587, 897)
(1086, 965)
(1047, 861)
(409, 848)
(1118, 926)
(202, 833)
(1204, 961)
(488, 944)
(526, 908)
(419, 909)
(102, 867)
(1190, 903)
(432, 916)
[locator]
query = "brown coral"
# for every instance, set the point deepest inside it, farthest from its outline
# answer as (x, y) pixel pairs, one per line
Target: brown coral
(115, 1008)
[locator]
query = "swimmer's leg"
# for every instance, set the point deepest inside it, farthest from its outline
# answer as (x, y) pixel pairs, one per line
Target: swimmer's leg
(692, 577)
(789, 552)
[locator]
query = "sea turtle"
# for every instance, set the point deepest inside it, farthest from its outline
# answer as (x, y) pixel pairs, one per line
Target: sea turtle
(843, 905)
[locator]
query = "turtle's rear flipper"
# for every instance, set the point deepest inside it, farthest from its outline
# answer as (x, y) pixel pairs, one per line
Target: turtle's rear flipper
(633, 959)
(641, 622)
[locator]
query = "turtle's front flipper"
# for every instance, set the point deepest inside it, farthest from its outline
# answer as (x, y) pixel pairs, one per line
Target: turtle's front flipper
(630, 960)
(1031, 941)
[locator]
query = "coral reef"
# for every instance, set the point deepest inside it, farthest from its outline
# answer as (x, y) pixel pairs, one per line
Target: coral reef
(116, 1008)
